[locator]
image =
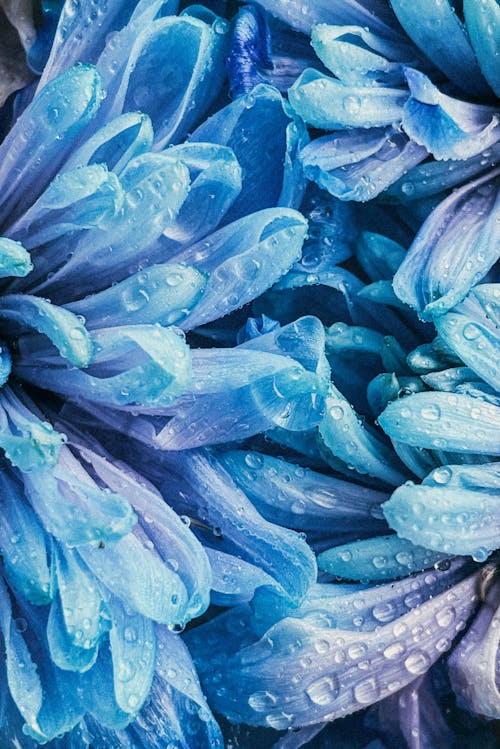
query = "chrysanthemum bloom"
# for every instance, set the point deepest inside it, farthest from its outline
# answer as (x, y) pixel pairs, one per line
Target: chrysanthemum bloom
(250, 409)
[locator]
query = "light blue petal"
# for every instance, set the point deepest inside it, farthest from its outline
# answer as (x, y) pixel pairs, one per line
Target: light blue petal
(243, 260)
(265, 136)
(97, 696)
(189, 53)
(327, 104)
(473, 665)
(42, 136)
(472, 331)
(360, 448)
(29, 443)
(83, 198)
(443, 39)
(300, 674)
(433, 177)
(299, 498)
(216, 181)
(455, 510)
(14, 259)
(483, 27)
(118, 142)
(155, 187)
(62, 327)
(444, 421)
(63, 651)
(358, 164)
(163, 294)
(453, 250)
(72, 507)
(137, 576)
(379, 558)
(447, 127)
(133, 365)
(133, 645)
(356, 56)
(25, 548)
(200, 487)
(234, 580)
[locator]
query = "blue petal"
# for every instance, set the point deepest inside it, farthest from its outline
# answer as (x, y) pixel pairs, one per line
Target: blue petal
(250, 52)
(483, 27)
(29, 443)
(300, 674)
(447, 127)
(379, 256)
(243, 260)
(443, 421)
(234, 580)
(453, 250)
(472, 331)
(379, 558)
(84, 198)
(25, 548)
(359, 164)
(63, 651)
(473, 665)
(189, 54)
(361, 449)
(115, 144)
(42, 136)
(133, 365)
(443, 39)
(199, 486)
(163, 294)
(299, 498)
(327, 104)
(454, 510)
(356, 56)
(62, 327)
(14, 259)
(265, 136)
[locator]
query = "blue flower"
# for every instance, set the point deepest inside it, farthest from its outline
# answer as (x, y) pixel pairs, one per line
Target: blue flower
(249, 386)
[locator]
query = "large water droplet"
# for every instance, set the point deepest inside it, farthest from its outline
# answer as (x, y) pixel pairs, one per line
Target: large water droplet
(323, 690)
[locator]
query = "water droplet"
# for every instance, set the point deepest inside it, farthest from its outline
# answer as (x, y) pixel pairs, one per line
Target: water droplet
(261, 702)
(323, 690)
(366, 692)
(418, 663)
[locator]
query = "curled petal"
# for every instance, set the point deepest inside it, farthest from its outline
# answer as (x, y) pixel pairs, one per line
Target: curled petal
(447, 127)
(250, 52)
(327, 104)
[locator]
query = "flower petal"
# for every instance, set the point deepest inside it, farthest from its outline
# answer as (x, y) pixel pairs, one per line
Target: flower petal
(483, 27)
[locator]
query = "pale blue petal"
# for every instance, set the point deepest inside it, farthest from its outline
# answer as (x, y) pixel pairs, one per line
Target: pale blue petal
(265, 136)
(379, 558)
(472, 331)
(361, 448)
(327, 104)
(133, 365)
(189, 54)
(243, 260)
(300, 674)
(473, 665)
(447, 127)
(359, 164)
(483, 27)
(455, 510)
(63, 651)
(115, 144)
(453, 250)
(234, 580)
(25, 548)
(443, 39)
(14, 259)
(443, 421)
(97, 696)
(83, 198)
(62, 327)
(356, 56)
(299, 498)
(163, 294)
(43, 135)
